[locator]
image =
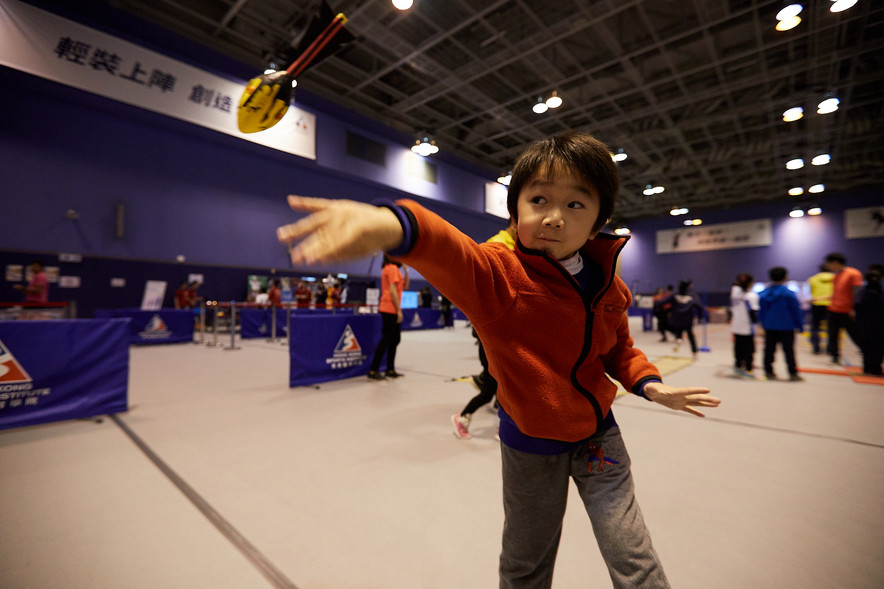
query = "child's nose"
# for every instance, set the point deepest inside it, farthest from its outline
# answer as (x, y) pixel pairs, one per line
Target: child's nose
(553, 219)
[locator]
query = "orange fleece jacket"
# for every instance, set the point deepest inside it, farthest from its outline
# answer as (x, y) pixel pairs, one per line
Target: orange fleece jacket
(548, 345)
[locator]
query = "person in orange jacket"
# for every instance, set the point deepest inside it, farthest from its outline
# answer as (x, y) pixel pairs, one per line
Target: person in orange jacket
(552, 314)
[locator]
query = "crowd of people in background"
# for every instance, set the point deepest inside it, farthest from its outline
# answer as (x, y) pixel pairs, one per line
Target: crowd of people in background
(841, 299)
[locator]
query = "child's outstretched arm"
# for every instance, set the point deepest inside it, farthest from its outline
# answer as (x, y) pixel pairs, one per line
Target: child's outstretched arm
(339, 230)
(681, 399)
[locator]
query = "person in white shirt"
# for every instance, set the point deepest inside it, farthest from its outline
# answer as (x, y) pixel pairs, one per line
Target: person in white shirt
(744, 315)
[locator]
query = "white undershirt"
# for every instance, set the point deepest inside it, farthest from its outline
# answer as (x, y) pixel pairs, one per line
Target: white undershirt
(574, 264)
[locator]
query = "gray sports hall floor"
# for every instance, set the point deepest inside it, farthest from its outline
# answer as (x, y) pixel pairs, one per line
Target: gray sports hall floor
(220, 476)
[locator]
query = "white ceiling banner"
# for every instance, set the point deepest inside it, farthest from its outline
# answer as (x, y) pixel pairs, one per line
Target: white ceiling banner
(755, 233)
(51, 47)
(864, 222)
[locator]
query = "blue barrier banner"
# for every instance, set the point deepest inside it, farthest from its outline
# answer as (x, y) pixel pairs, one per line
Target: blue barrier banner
(254, 323)
(331, 347)
(62, 369)
(165, 326)
(422, 318)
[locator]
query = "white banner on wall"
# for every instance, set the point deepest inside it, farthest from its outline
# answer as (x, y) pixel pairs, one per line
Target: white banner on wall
(495, 199)
(715, 237)
(51, 47)
(865, 222)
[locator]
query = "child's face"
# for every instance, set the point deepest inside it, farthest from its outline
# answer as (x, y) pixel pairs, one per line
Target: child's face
(557, 212)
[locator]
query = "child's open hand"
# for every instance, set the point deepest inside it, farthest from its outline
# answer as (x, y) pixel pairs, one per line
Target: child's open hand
(339, 230)
(681, 399)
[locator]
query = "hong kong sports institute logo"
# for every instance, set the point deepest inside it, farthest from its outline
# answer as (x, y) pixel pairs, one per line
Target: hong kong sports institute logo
(156, 328)
(11, 371)
(348, 352)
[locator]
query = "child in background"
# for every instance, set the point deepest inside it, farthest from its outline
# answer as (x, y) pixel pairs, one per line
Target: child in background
(552, 316)
(780, 315)
(744, 316)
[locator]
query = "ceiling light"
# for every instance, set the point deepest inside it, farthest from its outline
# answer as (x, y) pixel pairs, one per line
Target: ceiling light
(814, 211)
(403, 4)
(678, 211)
(789, 11)
(796, 212)
(797, 191)
(619, 156)
(269, 70)
(788, 24)
(829, 105)
(841, 5)
(505, 178)
(621, 231)
(425, 147)
(821, 160)
(696, 221)
(541, 107)
(657, 189)
(793, 114)
(795, 164)
(817, 188)
(554, 101)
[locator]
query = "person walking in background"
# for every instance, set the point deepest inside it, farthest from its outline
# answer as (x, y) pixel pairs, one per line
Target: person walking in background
(393, 284)
(744, 316)
(684, 307)
(274, 295)
(840, 315)
(486, 383)
(182, 296)
(37, 290)
(781, 315)
(821, 286)
(661, 311)
(869, 308)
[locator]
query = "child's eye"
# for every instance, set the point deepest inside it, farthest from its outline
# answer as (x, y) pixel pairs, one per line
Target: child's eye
(576, 205)
(538, 200)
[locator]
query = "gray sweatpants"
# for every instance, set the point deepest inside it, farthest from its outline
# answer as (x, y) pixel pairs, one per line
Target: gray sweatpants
(535, 494)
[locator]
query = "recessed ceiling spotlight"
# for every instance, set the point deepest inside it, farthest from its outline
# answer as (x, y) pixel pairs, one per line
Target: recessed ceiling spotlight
(841, 5)
(797, 191)
(540, 107)
(793, 114)
(795, 164)
(619, 156)
(554, 101)
(821, 160)
(403, 4)
(814, 211)
(817, 188)
(796, 213)
(829, 105)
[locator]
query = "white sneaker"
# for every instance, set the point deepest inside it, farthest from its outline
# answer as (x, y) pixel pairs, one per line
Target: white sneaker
(461, 425)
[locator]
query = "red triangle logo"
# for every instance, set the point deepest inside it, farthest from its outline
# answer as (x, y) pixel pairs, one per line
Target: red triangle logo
(10, 369)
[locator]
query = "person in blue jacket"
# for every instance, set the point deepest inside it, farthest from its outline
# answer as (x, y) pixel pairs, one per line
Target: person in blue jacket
(780, 315)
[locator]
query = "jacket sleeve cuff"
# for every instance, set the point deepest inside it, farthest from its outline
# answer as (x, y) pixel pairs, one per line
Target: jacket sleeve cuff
(639, 387)
(408, 223)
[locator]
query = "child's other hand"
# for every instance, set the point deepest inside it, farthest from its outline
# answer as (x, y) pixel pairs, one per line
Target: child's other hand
(339, 230)
(681, 399)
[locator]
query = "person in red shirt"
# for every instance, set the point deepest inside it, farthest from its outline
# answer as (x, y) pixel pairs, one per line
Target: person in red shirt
(392, 286)
(274, 295)
(182, 296)
(37, 290)
(303, 294)
(841, 315)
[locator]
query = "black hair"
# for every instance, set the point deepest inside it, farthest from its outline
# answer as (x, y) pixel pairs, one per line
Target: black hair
(388, 260)
(581, 153)
(744, 280)
(684, 285)
(836, 257)
(777, 273)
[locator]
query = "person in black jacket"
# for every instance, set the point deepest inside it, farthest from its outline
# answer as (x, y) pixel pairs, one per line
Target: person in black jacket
(869, 308)
(684, 307)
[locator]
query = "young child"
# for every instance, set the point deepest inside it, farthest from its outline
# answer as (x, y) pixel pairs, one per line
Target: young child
(744, 316)
(552, 316)
(780, 315)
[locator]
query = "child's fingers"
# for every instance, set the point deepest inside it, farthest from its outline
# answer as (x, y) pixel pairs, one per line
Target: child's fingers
(308, 204)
